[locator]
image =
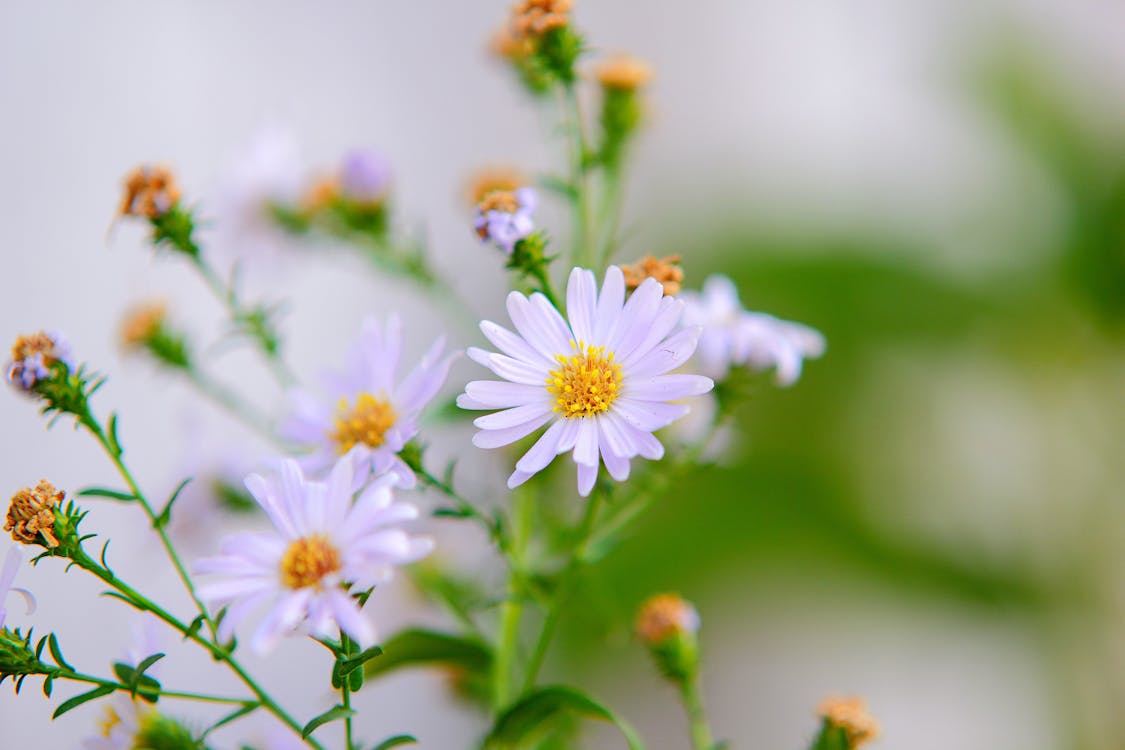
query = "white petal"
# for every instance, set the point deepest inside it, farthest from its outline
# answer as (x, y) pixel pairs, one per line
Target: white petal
(512, 417)
(586, 444)
(668, 355)
(581, 299)
(648, 415)
(516, 371)
(497, 438)
(587, 477)
(667, 387)
(639, 310)
(351, 620)
(537, 329)
(646, 443)
(512, 345)
(667, 316)
(610, 302)
(501, 395)
(280, 621)
(541, 454)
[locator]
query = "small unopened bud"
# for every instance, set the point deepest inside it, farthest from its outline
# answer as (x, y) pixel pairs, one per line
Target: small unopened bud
(493, 179)
(624, 73)
(534, 18)
(505, 217)
(34, 356)
(850, 716)
(669, 626)
(665, 270)
(142, 323)
(150, 192)
(31, 515)
(17, 657)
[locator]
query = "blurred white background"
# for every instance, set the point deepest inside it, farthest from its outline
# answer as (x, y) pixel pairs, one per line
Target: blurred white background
(846, 111)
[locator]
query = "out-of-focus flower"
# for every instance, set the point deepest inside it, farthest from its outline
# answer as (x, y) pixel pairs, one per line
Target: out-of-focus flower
(732, 336)
(323, 546)
(665, 270)
(366, 408)
(33, 357)
(150, 192)
(600, 379)
(146, 637)
(851, 715)
(505, 217)
(669, 627)
(129, 724)
(503, 179)
(12, 562)
(268, 175)
(665, 616)
(31, 515)
(534, 18)
(624, 73)
(365, 177)
(506, 44)
(141, 323)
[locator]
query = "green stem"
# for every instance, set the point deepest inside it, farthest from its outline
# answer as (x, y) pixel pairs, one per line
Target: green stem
(230, 401)
(66, 674)
(113, 450)
(540, 274)
(566, 581)
(701, 737)
(346, 696)
(463, 506)
(220, 654)
(512, 609)
(238, 314)
(582, 253)
(612, 203)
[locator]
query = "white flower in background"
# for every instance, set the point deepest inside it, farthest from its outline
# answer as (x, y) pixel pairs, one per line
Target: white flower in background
(269, 172)
(323, 547)
(124, 720)
(366, 408)
(600, 378)
(12, 562)
(733, 336)
(147, 637)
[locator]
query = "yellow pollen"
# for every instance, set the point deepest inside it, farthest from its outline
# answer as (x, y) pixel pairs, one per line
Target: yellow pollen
(585, 383)
(308, 560)
(367, 422)
(108, 722)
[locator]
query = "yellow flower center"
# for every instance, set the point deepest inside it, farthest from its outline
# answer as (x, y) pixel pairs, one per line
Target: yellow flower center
(108, 722)
(585, 383)
(308, 560)
(367, 422)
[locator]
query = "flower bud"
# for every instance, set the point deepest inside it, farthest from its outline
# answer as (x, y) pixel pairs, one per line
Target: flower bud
(34, 358)
(145, 328)
(17, 657)
(665, 270)
(31, 515)
(150, 192)
(624, 73)
(540, 43)
(850, 717)
(493, 179)
(505, 217)
(669, 626)
(621, 79)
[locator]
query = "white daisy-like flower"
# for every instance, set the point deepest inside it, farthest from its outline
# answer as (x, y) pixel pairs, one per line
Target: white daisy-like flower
(601, 377)
(268, 172)
(323, 546)
(732, 336)
(12, 562)
(124, 719)
(366, 408)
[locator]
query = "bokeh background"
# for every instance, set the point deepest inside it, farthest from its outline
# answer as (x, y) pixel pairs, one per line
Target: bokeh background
(931, 518)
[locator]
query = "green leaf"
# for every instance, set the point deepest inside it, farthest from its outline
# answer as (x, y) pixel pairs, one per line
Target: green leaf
(165, 516)
(137, 681)
(78, 700)
(349, 665)
(232, 716)
(194, 627)
(147, 662)
(558, 185)
(418, 647)
(529, 714)
(126, 497)
(332, 714)
(398, 739)
(56, 652)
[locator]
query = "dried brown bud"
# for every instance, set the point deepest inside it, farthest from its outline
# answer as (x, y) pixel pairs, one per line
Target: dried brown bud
(624, 73)
(850, 714)
(493, 179)
(665, 270)
(150, 192)
(31, 514)
(664, 616)
(534, 18)
(141, 323)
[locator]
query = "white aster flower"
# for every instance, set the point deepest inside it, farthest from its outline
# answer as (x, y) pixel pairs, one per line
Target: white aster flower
(323, 546)
(599, 377)
(366, 408)
(733, 336)
(269, 172)
(12, 562)
(124, 720)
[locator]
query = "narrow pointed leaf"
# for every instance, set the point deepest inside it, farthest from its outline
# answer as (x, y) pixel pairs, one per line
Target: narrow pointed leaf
(396, 741)
(78, 700)
(530, 714)
(333, 714)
